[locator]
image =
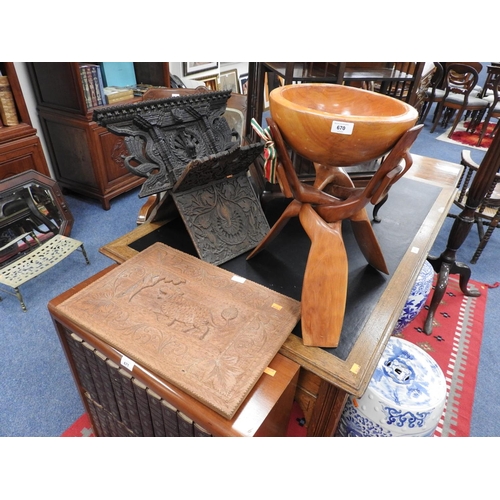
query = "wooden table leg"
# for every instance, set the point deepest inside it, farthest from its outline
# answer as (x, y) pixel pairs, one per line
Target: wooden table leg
(327, 410)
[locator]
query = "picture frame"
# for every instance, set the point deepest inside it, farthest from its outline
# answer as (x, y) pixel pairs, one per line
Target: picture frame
(210, 82)
(191, 68)
(228, 80)
(266, 93)
(243, 83)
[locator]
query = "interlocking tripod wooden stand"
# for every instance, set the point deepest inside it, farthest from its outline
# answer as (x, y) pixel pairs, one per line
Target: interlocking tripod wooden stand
(321, 209)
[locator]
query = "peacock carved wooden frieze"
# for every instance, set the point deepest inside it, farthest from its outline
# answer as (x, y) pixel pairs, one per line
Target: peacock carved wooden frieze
(164, 135)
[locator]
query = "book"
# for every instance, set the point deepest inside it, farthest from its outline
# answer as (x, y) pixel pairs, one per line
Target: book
(129, 394)
(100, 396)
(111, 406)
(90, 80)
(141, 398)
(118, 390)
(93, 87)
(116, 94)
(170, 422)
(156, 413)
(118, 74)
(85, 85)
(99, 83)
(8, 111)
(200, 431)
(75, 345)
(185, 425)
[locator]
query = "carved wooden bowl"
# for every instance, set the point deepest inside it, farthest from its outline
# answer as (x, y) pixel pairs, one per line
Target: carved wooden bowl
(337, 125)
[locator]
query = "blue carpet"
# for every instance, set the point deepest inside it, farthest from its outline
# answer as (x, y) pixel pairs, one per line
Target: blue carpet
(37, 392)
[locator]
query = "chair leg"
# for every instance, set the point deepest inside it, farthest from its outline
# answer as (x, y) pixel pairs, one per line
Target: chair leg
(484, 240)
(425, 111)
(456, 122)
(483, 130)
(437, 116)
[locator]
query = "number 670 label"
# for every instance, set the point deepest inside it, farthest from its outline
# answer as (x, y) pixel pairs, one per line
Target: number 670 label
(342, 128)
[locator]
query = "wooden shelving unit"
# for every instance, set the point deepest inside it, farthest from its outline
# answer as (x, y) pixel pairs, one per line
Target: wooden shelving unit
(86, 158)
(20, 147)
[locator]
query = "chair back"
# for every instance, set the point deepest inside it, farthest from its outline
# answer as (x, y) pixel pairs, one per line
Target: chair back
(494, 85)
(492, 74)
(437, 79)
(491, 198)
(460, 79)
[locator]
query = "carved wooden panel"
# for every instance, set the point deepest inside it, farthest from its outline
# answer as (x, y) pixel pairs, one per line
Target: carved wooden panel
(164, 135)
(219, 207)
(200, 327)
(183, 145)
(224, 219)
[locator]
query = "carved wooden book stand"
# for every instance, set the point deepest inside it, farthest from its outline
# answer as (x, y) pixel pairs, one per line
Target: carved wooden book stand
(183, 146)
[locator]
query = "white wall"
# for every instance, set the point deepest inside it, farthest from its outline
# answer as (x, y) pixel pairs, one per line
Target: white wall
(29, 97)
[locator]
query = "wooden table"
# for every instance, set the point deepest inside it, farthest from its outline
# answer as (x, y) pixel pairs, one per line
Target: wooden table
(327, 378)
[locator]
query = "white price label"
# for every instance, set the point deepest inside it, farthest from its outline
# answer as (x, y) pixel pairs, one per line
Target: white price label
(239, 279)
(345, 128)
(127, 363)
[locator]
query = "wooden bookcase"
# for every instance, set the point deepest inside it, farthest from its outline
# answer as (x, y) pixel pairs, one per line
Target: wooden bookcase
(20, 147)
(86, 158)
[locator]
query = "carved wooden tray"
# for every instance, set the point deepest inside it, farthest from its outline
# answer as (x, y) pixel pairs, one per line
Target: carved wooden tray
(200, 327)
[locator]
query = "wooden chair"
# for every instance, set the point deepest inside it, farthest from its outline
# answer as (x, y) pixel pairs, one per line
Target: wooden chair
(488, 211)
(460, 81)
(491, 74)
(433, 94)
(494, 107)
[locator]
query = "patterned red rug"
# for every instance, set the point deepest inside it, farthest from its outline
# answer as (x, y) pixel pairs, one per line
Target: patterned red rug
(455, 345)
(469, 139)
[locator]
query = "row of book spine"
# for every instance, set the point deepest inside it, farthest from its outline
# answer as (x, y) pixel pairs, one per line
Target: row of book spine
(8, 112)
(93, 86)
(121, 405)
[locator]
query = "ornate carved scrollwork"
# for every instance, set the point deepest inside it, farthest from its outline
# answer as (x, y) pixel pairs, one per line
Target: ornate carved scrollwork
(184, 145)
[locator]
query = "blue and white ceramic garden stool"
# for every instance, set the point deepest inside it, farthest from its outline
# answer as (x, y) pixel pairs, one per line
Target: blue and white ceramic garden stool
(416, 300)
(405, 397)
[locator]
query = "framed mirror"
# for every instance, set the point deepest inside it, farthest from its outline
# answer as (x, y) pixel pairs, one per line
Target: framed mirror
(31, 204)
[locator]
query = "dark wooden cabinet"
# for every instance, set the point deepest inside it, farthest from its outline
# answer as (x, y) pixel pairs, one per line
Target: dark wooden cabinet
(20, 147)
(86, 158)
